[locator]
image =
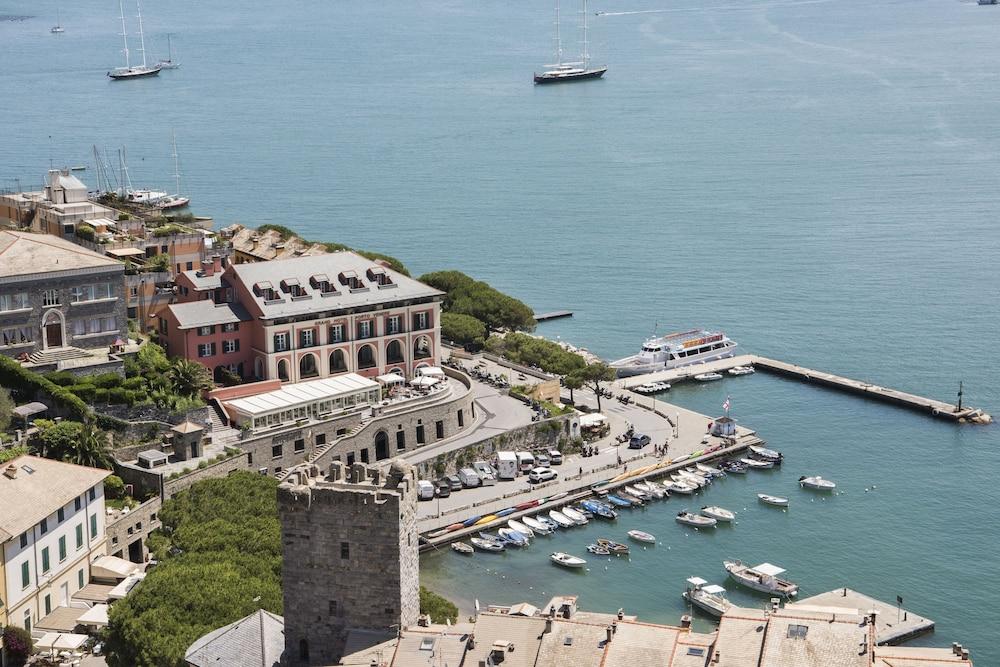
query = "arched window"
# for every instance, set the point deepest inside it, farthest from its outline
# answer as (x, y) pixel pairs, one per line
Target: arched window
(394, 352)
(381, 445)
(422, 348)
(308, 367)
(366, 357)
(283, 370)
(338, 362)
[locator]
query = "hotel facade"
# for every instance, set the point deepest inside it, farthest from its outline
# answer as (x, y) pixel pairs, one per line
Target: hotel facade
(303, 318)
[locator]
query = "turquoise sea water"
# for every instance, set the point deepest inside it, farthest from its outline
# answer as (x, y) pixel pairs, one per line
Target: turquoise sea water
(819, 179)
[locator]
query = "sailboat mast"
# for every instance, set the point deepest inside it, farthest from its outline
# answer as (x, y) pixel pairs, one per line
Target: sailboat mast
(177, 171)
(170, 52)
(121, 8)
(558, 37)
(142, 40)
(586, 54)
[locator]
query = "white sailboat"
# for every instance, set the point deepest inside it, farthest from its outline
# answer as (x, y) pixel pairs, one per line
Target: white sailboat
(576, 71)
(57, 29)
(175, 200)
(131, 71)
(169, 62)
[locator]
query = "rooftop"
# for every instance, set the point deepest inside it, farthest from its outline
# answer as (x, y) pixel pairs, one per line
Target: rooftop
(258, 640)
(29, 255)
(339, 268)
(40, 487)
(201, 281)
(302, 392)
(205, 313)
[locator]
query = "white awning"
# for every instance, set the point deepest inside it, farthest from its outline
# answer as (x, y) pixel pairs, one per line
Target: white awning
(391, 378)
(112, 567)
(61, 640)
(714, 589)
(424, 381)
(432, 371)
(121, 590)
(592, 419)
(96, 615)
(768, 569)
(696, 581)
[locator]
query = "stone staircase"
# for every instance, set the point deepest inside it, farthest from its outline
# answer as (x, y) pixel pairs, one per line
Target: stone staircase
(222, 434)
(55, 355)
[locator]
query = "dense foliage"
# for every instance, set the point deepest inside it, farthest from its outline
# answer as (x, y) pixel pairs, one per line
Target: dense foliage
(538, 352)
(25, 383)
(17, 645)
(593, 376)
(220, 553)
(75, 442)
(7, 406)
(86, 232)
(464, 330)
(468, 296)
(437, 607)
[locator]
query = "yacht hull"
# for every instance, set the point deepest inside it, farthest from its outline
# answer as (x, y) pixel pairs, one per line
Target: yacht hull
(575, 76)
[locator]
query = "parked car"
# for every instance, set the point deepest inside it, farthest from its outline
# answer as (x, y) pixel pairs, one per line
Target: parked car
(486, 472)
(455, 481)
(425, 490)
(469, 478)
(542, 461)
(443, 487)
(638, 441)
(556, 457)
(542, 475)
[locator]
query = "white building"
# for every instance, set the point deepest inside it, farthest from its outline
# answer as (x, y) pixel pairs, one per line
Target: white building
(51, 528)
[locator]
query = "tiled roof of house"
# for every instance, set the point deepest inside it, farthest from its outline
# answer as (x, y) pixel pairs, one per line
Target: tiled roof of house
(28, 254)
(257, 640)
(205, 313)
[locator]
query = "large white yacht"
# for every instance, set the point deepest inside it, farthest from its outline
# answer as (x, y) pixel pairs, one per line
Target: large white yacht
(675, 350)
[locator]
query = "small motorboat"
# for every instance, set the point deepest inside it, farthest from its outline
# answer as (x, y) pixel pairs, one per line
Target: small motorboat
(576, 517)
(618, 501)
(486, 545)
(642, 536)
(709, 598)
(651, 488)
(757, 463)
(718, 513)
(561, 519)
(763, 578)
(462, 548)
(648, 388)
(707, 377)
(709, 470)
(511, 536)
(765, 453)
(636, 500)
(600, 509)
(690, 480)
(696, 475)
(680, 487)
(734, 467)
(641, 494)
(777, 501)
(662, 386)
(616, 548)
(587, 514)
(535, 525)
(566, 560)
(817, 483)
(492, 537)
(598, 550)
(742, 370)
(514, 524)
(696, 520)
(547, 522)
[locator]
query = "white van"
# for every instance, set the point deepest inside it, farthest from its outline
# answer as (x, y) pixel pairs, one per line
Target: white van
(525, 462)
(469, 478)
(425, 490)
(506, 465)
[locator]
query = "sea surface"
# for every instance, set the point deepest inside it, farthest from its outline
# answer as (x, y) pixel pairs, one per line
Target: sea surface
(817, 178)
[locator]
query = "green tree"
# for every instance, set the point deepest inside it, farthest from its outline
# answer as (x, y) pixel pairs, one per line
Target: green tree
(114, 487)
(91, 449)
(573, 381)
(55, 440)
(17, 645)
(467, 296)
(437, 607)
(158, 263)
(189, 378)
(595, 374)
(531, 351)
(463, 330)
(7, 406)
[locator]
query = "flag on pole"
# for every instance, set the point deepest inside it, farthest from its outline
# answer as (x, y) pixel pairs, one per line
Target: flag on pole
(725, 406)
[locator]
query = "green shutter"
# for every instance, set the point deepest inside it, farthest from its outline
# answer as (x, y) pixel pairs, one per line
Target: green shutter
(45, 560)
(93, 526)
(79, 535)
(62, 548)
(25, 574)
(79, 578)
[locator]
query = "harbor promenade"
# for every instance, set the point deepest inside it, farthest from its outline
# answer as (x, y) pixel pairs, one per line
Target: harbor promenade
(935, 408)
(893, 624)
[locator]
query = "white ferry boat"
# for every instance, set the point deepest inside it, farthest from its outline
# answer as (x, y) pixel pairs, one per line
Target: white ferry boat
(676, 350)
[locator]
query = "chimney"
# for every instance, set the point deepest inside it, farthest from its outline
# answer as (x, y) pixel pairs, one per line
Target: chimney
(11, 471)
(207, 268)
(336, 472)
(216, 263)
(686, 621)
(359, 473)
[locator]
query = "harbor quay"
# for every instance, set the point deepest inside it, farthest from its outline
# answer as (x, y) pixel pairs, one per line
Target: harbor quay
(893, 624)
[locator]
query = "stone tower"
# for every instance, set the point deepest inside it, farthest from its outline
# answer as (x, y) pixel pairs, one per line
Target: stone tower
(350, 556)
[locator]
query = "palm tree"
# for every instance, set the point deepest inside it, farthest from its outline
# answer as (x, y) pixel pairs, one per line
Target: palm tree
(91, 449)
(189, 378)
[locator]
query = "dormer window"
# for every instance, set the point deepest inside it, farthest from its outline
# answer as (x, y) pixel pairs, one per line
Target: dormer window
(292, 287)
(265, 290)
(378, 275)
(321, 283)
(351, 280)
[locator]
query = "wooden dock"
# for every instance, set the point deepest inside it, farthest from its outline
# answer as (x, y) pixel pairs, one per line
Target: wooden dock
(554, 315)
(893, 624)
(935, 408)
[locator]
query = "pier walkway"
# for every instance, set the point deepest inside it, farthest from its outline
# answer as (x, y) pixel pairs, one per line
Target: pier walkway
(893, 625)
(939, 409)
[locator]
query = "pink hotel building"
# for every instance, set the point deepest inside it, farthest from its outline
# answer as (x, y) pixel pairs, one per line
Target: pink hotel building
(303, 318)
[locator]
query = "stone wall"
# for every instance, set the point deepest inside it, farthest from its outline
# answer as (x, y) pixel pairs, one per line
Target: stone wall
(144, 482)
(221, 469)
(124, 530)
(554, 433)
(350, 558)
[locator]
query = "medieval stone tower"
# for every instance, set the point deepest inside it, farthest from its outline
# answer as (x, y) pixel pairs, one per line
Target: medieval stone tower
(350, 556)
